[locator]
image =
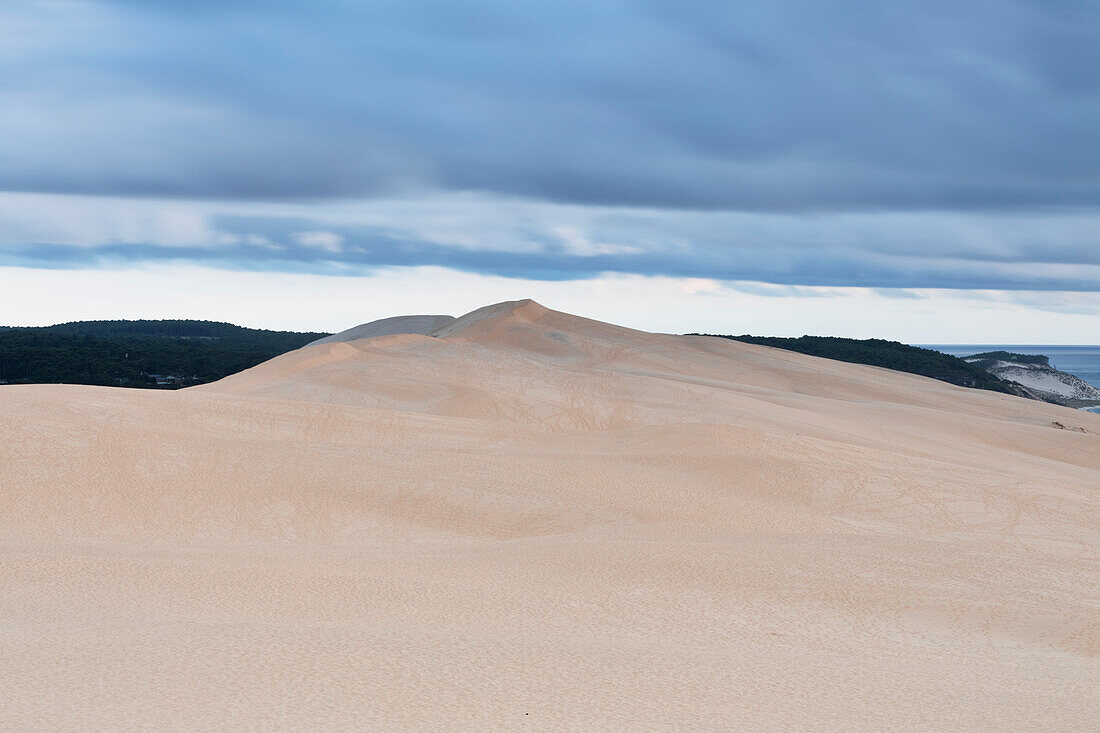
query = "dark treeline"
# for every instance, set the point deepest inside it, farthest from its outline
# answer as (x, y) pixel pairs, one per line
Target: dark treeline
(890, 355)
(989, 358)
(131, 353)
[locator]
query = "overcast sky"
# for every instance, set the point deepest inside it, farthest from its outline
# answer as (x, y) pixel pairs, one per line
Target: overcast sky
(800, 154)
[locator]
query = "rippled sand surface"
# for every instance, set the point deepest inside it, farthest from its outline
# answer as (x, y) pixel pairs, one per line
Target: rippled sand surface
(528, 520)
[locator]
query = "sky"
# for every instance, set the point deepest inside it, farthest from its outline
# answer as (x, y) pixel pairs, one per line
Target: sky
(922, 171)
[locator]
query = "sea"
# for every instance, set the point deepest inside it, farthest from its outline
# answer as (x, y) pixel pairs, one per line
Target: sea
(1083, 361)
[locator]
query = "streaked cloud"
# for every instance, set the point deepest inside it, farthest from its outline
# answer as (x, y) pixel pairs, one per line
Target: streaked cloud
(840, 144)
(546, 241)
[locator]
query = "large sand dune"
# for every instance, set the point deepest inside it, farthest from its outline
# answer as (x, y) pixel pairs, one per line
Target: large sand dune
(522, 519)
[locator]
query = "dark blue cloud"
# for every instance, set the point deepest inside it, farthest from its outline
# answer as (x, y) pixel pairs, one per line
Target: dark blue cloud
(857, 143)
(760, 105)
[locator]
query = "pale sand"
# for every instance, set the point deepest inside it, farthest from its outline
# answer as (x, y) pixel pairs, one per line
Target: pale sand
(535, 521)
(389, 327)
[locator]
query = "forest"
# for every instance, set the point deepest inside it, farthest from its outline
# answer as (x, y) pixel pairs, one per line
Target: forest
(165, 354)
(889, 355)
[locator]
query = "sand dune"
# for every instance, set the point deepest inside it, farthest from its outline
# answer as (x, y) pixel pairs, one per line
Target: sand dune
(522, 519)
(388, 327)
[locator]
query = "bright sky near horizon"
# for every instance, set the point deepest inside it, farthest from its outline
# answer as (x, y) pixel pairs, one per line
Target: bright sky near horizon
(928, 172)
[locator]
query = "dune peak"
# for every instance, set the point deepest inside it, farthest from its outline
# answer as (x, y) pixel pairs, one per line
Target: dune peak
(525, 310)
(436, 325)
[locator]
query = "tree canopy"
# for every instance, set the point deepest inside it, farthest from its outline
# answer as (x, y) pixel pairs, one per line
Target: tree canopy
(131, 353)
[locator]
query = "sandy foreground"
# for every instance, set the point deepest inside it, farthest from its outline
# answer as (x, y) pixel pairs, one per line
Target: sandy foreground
(535, 521)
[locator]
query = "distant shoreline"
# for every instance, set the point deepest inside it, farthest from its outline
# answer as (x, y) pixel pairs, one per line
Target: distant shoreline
(1080, 360)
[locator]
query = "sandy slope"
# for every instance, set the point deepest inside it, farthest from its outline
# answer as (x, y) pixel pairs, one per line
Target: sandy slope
(388, 327)
(529, 520)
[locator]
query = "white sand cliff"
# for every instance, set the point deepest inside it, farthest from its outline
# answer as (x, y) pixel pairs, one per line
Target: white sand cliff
(522, 519)
(1041, 378)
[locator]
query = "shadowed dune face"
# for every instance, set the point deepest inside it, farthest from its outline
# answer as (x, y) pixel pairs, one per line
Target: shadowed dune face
(388, 327)
(522, 517)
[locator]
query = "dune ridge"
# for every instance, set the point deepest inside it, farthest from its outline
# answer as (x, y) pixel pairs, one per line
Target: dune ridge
(524, 518)
(388, 327)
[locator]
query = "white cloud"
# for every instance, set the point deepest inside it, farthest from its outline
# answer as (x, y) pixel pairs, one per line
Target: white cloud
(88, 221)
(699, 285)
(576, 242)
(328, 241)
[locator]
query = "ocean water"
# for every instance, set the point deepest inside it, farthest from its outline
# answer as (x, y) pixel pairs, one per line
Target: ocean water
(1084, 361)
